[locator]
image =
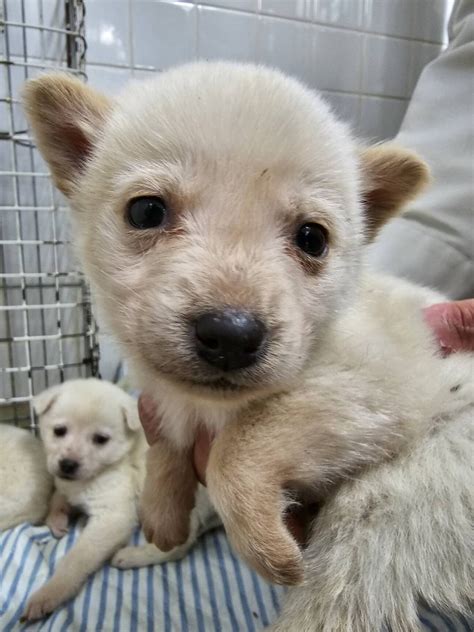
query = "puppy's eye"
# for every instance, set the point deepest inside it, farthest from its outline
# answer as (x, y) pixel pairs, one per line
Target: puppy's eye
(59, 431)
(100, 439)
(312, 239)
(146, 212)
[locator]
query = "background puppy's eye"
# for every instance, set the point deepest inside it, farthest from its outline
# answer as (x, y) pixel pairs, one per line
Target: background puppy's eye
(312, 239)
(146, 212)
(59, 431)
(100, 439)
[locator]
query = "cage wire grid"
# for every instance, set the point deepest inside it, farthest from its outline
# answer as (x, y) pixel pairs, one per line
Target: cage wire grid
(47, 331)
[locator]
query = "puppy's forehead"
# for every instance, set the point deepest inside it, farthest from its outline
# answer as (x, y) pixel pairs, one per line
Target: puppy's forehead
(229, 117)
(84, 414)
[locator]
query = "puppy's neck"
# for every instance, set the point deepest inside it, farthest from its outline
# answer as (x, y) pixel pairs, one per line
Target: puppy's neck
(180, 415)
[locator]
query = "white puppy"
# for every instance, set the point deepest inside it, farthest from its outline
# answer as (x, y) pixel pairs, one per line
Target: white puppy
(222, 214)
(95, 450)
(25, 484)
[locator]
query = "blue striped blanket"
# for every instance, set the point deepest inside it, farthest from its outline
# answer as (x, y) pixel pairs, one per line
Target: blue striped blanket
(210, 590)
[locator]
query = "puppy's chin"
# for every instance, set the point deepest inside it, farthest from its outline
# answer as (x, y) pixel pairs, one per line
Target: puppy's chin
(220, 389)
(203, 385)
(81, 475)
(68, 477)
(56, 472)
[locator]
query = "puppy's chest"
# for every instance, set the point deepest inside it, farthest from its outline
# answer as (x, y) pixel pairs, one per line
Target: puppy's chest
(75, 492)
(107, 490)
(181, 419)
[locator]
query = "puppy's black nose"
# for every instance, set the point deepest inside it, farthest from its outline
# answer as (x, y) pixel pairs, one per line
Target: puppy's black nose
(68, 467)
(230, 339)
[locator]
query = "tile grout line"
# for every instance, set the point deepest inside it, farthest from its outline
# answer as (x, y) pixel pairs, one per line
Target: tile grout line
(327, 25)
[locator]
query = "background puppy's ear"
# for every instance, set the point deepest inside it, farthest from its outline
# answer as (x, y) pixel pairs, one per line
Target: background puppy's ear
(65, 116)
(43, 402)
(391, 177)
(130, 415)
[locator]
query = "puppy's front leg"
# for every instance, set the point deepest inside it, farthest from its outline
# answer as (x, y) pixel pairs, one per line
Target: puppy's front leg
(308, 439)
(101, 537)
(250, 501)
(168, 495)
(203, 518)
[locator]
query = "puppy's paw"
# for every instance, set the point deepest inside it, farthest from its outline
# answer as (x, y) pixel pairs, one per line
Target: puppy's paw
(43, 602)
(165, 524)
(127, 558)
(58, 524)
(139, 556)
(285, 568)
(273, 554)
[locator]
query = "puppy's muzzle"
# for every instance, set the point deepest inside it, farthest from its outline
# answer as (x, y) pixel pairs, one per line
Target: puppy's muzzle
(229, 339)
(68, 468)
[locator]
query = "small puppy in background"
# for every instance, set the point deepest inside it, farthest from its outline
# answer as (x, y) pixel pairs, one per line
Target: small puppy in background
(95, 449)
(25, 483)
(222, 213)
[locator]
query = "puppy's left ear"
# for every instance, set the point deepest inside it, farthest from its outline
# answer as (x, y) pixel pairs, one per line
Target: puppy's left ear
(391, 177)
(66, 117)
(130, 416)
(43, 402)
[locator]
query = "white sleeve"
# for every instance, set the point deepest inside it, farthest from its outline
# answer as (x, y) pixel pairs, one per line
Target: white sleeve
(433, 242)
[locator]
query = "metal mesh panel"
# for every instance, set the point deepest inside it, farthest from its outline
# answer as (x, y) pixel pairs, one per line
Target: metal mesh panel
(47, 333)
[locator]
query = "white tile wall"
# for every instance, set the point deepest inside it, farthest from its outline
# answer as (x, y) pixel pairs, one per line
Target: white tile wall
(390, 18)
(366, 55)
(431, 17)
(163, 33)
(286, 44)
(340, 13)
(215, 24)
(107, 78)
(346, 106)
(297, 9)
(108, 39)
(380, 117)
(336, 60)
(250, 6)
(386, 66)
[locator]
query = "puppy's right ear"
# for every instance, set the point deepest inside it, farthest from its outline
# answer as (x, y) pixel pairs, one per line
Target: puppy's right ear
(391, 177)
(66, 117)
(130, 415)
(45, 400)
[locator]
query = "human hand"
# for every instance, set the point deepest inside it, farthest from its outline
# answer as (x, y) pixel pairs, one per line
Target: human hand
(453, 325)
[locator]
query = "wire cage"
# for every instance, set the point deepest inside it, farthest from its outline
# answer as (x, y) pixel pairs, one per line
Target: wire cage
(47, 331)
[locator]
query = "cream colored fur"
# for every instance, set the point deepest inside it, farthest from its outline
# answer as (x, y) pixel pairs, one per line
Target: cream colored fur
(399, 534)
(390, 535)
(106, 487)
(351, 380)
(25, 484)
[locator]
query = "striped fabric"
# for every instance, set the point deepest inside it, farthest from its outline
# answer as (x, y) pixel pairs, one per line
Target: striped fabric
(208, 591)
